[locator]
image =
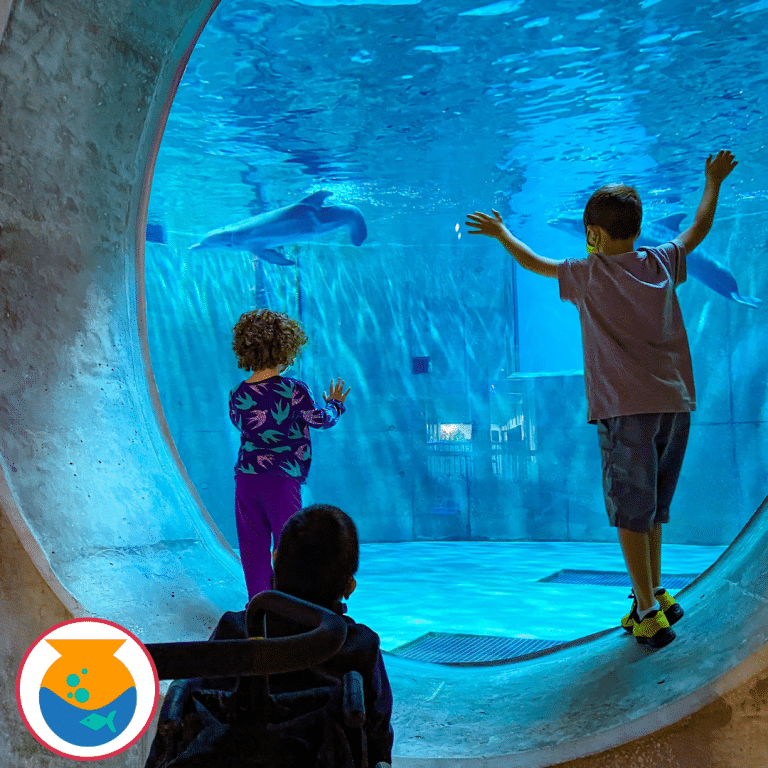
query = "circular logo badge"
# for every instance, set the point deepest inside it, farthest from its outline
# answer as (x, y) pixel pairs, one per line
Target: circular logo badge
(87, 689)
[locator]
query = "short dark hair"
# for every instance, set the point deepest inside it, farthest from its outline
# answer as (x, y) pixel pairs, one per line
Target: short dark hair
(317, 555)
(267, 339)
(617, 209)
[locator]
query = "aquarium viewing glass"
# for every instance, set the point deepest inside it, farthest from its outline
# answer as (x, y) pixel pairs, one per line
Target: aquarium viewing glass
(464, 457)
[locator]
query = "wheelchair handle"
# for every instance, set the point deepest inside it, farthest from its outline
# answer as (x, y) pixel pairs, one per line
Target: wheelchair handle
(257, 656)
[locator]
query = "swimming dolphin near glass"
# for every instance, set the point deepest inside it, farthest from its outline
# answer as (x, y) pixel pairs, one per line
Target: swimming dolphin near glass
(298, 223)
(700, 266)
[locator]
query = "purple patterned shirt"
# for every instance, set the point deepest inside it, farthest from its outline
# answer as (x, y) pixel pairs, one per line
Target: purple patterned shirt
(274, 417)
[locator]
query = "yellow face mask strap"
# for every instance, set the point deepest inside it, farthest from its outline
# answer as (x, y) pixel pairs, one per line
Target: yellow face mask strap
(591, 248)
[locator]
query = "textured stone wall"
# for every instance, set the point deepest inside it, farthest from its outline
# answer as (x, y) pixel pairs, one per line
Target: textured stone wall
(90, 481)
(28, 607)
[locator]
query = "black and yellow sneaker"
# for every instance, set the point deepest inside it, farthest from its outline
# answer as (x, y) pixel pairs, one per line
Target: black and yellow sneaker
(653, 630)
(672, 609)
(628, 621)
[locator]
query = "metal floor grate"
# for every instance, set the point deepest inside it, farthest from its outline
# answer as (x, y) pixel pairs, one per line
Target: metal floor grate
(443, 648)
(615, 578)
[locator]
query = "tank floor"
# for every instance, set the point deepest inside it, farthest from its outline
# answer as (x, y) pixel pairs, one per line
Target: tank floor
(405, 590)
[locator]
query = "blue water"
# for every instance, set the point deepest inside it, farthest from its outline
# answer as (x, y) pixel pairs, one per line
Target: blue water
(418, 113)
(65, 719)
(407, 590)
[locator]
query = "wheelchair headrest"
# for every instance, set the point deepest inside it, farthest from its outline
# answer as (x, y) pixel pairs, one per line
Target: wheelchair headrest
(326, 634)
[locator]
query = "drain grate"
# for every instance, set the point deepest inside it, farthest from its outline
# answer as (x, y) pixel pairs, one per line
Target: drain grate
(444, 648)
(615, 578)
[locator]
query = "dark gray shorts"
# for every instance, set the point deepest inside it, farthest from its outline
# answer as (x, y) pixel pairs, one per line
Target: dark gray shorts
(642, 456)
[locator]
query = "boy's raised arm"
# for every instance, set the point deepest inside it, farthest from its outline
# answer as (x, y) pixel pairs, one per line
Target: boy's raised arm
(493, 226)
(715, 172)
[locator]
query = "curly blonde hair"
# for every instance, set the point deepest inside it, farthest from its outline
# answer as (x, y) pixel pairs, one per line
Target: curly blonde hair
(267, 339)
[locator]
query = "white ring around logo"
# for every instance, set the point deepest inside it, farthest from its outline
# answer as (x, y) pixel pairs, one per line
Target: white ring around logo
(41, 656)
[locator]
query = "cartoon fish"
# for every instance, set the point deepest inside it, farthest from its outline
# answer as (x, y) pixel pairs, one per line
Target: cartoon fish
(96, 722)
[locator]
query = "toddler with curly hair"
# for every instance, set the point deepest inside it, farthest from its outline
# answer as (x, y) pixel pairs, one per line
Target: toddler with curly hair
(274, 414)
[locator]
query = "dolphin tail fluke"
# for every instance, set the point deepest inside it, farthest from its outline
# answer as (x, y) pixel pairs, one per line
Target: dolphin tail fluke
(273, 257)
(358, 230)
(748, 301)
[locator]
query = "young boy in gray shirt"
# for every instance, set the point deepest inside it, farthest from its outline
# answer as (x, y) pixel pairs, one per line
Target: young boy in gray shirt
(637, 371)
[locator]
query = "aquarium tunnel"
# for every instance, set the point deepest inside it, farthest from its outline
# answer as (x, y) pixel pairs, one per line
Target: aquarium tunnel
(131, 131)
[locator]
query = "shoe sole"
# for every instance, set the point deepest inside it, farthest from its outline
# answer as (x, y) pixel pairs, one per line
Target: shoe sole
(659, 640)
(673, 614)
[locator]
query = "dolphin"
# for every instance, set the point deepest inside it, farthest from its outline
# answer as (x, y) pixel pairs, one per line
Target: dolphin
(701, 266)
(298, 223)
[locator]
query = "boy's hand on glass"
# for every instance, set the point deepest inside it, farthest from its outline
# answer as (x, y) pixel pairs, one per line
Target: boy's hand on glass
(336, 391)
(718, 169)
(492, 226)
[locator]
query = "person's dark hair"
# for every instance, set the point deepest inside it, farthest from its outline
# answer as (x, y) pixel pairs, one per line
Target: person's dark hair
(317, 555)
(267, 339)
(617, 209)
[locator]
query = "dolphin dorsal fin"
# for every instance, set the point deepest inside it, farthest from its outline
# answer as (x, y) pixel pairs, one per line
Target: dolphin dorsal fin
(316, 199)
(671, 222)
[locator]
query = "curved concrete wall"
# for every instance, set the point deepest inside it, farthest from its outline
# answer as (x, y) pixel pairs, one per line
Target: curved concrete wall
(91, 471)
(98, 515)
(94, 490)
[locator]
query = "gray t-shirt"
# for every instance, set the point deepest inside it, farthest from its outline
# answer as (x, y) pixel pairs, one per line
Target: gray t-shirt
(636, 355)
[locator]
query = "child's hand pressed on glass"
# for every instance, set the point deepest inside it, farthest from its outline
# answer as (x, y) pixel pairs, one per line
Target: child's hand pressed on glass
(718, 169)
(492, 226)
(336, 391)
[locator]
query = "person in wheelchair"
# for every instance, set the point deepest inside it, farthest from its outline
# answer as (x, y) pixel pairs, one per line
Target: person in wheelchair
(316, 560)
(206, 723)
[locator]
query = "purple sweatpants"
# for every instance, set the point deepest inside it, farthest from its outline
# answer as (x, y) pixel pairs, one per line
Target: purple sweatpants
(262, 505)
